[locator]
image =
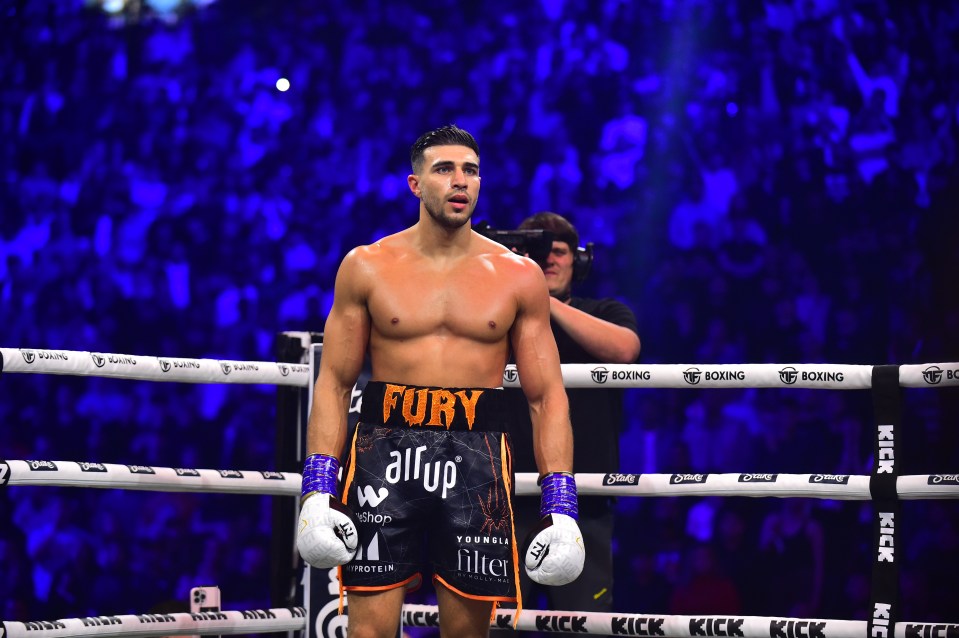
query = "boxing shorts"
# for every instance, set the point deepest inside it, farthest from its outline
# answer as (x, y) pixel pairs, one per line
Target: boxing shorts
(429, 477)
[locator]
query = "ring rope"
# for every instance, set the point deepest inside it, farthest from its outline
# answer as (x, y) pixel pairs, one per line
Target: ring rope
(208, 622)
(850, 487)
(813, 376)
(575, 375)
(147, 477)
(175, 369)
(607, 624)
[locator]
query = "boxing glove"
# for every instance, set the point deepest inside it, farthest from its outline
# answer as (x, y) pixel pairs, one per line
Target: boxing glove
(326, 535)
(554, 553)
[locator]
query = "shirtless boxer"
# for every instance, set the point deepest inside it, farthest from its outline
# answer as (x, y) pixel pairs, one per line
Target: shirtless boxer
(438, 308)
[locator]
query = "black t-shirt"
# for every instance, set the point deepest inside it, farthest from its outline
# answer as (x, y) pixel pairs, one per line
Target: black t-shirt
(596, 413)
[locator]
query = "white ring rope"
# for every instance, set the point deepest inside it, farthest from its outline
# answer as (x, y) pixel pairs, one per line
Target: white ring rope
(147, 477)
(850, 487)
(208, 622)
(609, 624)
(811, 376)
(575, 375)
(128, 366)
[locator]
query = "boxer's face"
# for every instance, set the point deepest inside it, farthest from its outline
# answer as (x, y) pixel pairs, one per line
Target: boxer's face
(559, 270)
(448, 184)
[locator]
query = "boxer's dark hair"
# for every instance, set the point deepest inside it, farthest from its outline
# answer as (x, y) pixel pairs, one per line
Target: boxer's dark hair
(449, 135)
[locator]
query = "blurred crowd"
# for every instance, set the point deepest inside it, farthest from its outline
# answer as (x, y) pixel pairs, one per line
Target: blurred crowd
(764, 180)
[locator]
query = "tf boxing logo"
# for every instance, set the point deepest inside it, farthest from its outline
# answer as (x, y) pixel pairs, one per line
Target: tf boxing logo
(98, 359)
(933, 375)
(599, 375)
(284, 369)
(29, 356)
(227, 369)
(692, 375)
(510, 375)
(788, 375)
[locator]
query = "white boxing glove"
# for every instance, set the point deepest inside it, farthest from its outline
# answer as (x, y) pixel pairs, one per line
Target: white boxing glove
(554, 553)
(326, 535)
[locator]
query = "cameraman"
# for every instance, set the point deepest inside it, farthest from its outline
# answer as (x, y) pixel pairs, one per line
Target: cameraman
(586, 331)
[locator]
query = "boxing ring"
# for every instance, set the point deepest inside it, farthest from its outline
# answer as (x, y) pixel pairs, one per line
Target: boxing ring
(885, 487)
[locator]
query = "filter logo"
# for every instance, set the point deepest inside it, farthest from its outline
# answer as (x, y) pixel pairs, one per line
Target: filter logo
(788, 375)
(599, 375)
(692, 375)
(472, 561)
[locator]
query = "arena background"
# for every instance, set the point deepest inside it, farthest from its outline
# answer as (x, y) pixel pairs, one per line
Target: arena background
(765, 181)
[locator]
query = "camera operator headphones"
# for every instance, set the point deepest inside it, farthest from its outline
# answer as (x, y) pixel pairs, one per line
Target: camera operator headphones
(582, 261)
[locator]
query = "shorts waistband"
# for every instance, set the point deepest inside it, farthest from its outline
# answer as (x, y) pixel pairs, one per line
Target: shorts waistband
(411, 406)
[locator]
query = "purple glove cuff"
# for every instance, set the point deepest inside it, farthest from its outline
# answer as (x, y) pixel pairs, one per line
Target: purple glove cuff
(319, 474)
(559, 495)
